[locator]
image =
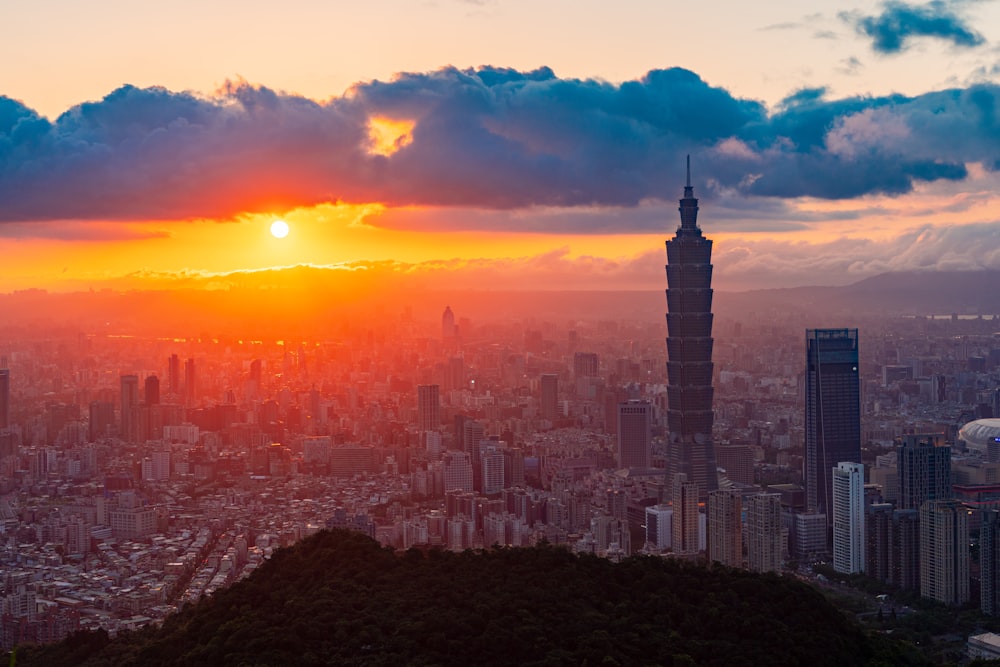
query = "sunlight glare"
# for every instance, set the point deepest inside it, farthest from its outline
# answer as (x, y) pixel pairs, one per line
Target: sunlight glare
(279, 229)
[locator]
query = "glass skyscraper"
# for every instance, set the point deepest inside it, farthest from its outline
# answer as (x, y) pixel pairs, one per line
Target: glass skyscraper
(833, 411)
(689, 350)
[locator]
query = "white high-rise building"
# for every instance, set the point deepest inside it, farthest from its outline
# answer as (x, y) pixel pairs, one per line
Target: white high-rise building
(849, 517)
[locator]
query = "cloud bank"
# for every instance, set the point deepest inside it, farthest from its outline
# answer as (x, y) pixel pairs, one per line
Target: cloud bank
(900, 22)
(488, 138)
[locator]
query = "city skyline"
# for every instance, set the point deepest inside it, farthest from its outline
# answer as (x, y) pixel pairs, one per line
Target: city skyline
(469, 161)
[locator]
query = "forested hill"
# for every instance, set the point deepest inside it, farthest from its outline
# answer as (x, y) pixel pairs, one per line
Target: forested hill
(338, 598)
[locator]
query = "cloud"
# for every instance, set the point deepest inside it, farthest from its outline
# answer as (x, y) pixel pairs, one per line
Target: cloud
(770, 263)
(900, 22)
(490, 138)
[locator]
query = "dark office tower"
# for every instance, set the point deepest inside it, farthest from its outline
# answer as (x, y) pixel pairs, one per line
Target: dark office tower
(689, 350)
(989, 563)
(448, 324)
(102, 418)
(129, 408)
(549, 403)
(152, 393)
(635, 434)
(4, 398)
(190, 386)
(585, 364)
(174, 375)
(924, 464)
(428, 407)
(833, 412)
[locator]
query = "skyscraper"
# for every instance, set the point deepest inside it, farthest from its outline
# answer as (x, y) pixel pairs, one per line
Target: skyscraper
(190, 380)
(129, 407)
(725, 527)
(152, 390)
(448, 324)
(833, 412)
(924, 465)
(944, 551)
(764, 541)
(689, 349)
(849, 518)
(174, 375)
(635, 424)
(989, 563)
(685, 518)
(428, 407)
(4, 398)
(549, 403)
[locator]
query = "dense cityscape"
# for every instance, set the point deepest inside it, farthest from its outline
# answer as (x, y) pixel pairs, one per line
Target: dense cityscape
(141, 474)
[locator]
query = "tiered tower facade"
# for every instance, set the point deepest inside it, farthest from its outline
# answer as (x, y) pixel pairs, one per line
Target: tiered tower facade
(689, 349)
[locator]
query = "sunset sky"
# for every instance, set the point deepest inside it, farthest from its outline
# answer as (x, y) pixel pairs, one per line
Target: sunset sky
(495, 142)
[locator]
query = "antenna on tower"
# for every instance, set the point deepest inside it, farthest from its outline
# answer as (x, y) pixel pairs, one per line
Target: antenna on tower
(688, 184)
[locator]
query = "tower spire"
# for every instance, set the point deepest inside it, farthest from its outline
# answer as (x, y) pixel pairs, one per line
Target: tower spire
(689, 205)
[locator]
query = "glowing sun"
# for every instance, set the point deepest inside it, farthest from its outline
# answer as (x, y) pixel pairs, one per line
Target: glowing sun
(279, 229)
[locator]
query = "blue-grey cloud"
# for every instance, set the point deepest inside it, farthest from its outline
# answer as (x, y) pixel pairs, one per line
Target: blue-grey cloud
(900, 22)
(489, 138)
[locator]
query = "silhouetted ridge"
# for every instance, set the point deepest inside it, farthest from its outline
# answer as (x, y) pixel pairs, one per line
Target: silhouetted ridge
(338, 598)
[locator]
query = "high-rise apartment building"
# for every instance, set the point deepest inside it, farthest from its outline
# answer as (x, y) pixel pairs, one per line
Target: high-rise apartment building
(457, 471)
(635, 434)
(764, 532)
(944, 551)
(492, 468)
(725, 527)
(689, 349)
(4, 398)
(924, 470)
(549, 399)
(190, 382)
(989, 563)
(685, 517)
(428, 407)
(151, 392)
(849, 518)
(833, 412)
(129, 403)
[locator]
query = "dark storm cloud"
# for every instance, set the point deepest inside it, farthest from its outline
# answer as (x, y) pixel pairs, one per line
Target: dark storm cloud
(900, 22)
(490, 138)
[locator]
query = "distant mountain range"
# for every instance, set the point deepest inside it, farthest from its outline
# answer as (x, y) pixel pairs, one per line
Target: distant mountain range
(291, 301)
(903, 293)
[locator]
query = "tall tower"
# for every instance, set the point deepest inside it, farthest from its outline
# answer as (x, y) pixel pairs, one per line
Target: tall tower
(944, 551)
(448, 324)
(849, 518)
(4, 398)
(833, 412)
(924, 464)
(635, 434)
(428, 407)
(549, 403)
(190, 380)
(174, 375)
(689, 349)
(130, 408)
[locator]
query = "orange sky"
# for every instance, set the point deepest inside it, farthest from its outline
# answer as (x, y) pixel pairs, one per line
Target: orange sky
(384, 156)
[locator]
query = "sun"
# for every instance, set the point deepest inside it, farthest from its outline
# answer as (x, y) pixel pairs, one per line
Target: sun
(279, 229)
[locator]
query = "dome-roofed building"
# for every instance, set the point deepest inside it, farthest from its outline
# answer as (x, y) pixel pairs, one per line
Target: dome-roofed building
(978, 435)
